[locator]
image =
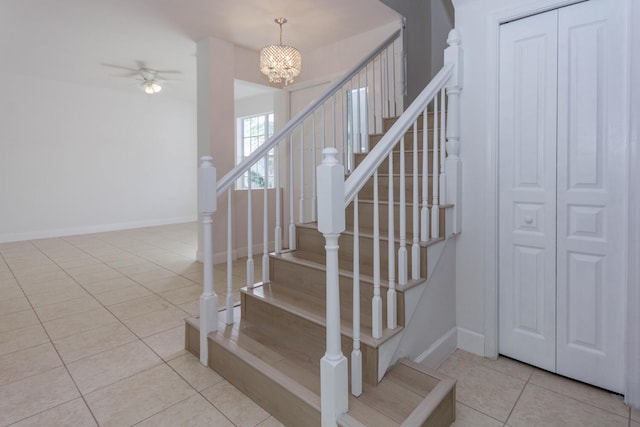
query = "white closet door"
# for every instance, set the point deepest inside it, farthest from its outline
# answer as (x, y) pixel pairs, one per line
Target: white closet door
(527, 201)
(591, 193)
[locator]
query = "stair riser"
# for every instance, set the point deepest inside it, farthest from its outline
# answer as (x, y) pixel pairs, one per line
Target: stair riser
(388, 122)
(259, 312)
(313, 241)
(312, 282)
(383, 189)
(408, 140)
(365, 218)
(384, 167)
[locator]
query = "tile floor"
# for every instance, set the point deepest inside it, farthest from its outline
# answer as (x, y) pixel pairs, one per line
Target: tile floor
(92, 333)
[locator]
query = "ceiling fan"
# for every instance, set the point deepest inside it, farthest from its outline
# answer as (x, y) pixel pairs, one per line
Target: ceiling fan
(150, 79)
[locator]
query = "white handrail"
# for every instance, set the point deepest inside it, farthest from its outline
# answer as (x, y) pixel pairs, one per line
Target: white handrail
(226, 181)
(379, 153)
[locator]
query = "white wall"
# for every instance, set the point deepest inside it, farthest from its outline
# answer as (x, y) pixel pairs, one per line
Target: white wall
(77, 159)
(441, 18)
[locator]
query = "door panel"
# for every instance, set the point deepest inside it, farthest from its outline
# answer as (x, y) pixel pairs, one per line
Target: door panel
(527, 158)
(591, 208)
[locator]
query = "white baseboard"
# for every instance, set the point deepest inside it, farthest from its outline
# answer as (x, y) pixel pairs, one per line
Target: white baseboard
(440, 350)
(470, 341)
(90, 229)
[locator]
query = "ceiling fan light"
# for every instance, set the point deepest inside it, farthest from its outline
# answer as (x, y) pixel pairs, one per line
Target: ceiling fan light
(151, 87)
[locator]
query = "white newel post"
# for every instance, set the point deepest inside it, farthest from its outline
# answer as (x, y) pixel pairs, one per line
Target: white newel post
(334, 386)
(453, 55)
(208, 300)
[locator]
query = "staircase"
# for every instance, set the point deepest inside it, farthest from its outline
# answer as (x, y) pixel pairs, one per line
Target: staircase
(392, 216)
(273, 354)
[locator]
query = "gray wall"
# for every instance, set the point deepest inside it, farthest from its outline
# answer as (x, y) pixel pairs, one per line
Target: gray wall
(422, 36)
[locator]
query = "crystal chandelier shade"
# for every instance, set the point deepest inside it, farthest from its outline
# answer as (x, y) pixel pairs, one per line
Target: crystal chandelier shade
(280, 63)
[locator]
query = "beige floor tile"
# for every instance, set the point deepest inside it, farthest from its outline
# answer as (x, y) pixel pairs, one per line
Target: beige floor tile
(30, 361)
(502, 364)
(97, 276)
(13, 305)
(66, 308)
(635, 424)
(152, 275)
(138, 307)
(94, 372)
(121, 295)
(189, 367)
(182, 295)
(270, 422)
(41, 275)
(635, 414)
(55, 296)
(74, 413)
(580, 391)
(87, 268)
(17, 320)
(541, 407)
(71, 261)
(168, 344)
(138, 397)
(95, 341)
(168, 284)
(10, 291)
(20, 339)
(236, 406)
(54, 286)
(156, 321)
(78, 323)
(193, 307)
(195, 411)
(35, 394)
(483, 389)
(469, 417)
(102, 286)
(133, 265)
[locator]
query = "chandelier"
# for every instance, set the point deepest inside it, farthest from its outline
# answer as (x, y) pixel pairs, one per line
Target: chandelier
(280, 63)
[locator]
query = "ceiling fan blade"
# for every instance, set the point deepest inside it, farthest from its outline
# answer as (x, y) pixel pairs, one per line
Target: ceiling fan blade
(141, 64)
(169, 71)
(132, 71)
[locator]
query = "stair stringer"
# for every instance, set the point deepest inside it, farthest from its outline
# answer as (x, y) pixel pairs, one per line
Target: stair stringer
(429, 334)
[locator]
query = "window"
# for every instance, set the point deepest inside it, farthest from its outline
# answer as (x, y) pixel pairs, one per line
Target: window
(253, 131)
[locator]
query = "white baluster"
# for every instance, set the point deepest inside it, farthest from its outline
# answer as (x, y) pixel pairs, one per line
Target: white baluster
(424, 212)
(356, 355)
(435, 215)
(322, 132)
(402, 251)
(302, 173)
(229, 300)
(415, 247)
(314, 197)
(250, 278)
(373, 92)
(357, 121)
(453, 54)
(334, 386)
(265, 224)
(392, 316)
(443, 163)
(395, 83)
(292, 226)
(207, 205)
(365, 132)
(278, 227)
(386, 70)
(345, 149)
(333, 121)
(376, 303)
(381, 89)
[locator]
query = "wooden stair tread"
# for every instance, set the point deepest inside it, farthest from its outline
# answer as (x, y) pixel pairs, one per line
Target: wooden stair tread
(313, 310)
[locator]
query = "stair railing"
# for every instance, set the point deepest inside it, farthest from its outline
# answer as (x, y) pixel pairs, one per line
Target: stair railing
(336, 196)
(342, 118)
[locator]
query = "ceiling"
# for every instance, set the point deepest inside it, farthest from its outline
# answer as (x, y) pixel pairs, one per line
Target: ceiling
(76, 40)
